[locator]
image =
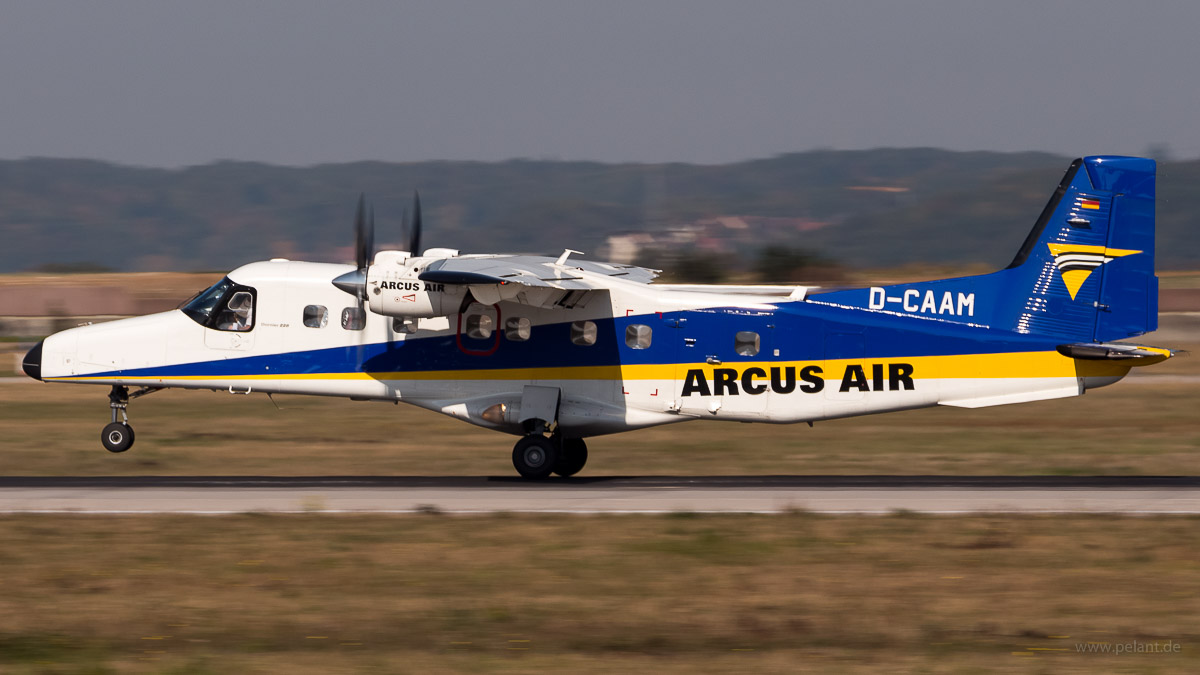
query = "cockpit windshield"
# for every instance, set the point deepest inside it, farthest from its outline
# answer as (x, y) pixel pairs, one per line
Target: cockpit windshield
(223, 306)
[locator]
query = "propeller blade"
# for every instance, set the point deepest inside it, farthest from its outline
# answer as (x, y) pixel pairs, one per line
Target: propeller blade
(355, 282)
(404, 225)
(370, 247)
(360, 234)
(414, 244)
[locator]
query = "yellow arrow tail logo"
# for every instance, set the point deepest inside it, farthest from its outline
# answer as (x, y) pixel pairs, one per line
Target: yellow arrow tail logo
(1076, 262)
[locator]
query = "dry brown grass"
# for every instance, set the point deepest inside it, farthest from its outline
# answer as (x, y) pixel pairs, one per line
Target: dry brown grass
(143, 284)
(1179, 279)
(601, 594)
(298, 594)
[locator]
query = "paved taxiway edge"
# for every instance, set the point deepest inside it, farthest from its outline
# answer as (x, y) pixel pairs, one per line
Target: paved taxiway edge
(219, 501)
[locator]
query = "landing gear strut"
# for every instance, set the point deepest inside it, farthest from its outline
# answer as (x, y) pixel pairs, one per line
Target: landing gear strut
(536, 456)
(118, 436)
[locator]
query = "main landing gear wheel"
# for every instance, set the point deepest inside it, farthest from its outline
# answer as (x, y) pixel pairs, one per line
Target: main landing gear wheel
(573, 455)
(117, 437)
(535, 457)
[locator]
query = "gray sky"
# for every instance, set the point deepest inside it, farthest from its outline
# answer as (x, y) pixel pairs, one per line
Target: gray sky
(166, 83)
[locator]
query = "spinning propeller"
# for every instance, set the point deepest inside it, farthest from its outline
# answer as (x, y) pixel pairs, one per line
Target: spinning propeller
(355, 283)
(414, 241)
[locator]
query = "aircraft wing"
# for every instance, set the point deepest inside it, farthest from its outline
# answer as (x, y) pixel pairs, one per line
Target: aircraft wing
(528, 270)
(533, 280)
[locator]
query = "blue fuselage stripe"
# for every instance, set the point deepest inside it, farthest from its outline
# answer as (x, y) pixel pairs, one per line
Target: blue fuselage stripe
(793, 332)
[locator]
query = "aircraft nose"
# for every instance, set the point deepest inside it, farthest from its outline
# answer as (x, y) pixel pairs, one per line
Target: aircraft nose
(32, 363)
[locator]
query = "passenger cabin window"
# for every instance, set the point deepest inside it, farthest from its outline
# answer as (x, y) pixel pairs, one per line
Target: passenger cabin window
(224, 306)
(583, 333)
(479, 326)
(746, 343)
(637, 336)
(316, 316)
(517, 328)
(354, 318)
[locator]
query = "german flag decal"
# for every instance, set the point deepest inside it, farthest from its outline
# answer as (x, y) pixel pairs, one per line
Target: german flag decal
(1090, 204)
(1075, 262)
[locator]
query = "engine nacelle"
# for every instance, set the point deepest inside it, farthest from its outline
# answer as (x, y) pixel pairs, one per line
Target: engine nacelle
(393, 288)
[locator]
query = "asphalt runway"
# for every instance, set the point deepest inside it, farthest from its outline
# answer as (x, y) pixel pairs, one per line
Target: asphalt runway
(1139, 495)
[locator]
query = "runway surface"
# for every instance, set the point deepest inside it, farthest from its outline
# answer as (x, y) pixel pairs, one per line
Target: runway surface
(1143, 495)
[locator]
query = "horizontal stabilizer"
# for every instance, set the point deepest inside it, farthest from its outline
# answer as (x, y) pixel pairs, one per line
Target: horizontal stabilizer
(1132, 355)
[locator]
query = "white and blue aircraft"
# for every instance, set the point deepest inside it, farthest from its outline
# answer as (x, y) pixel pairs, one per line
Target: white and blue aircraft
(555, 350)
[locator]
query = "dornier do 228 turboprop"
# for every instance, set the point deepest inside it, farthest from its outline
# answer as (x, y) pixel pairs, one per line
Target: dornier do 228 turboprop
(555, 350)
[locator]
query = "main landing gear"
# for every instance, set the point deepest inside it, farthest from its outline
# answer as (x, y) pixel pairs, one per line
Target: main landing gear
(118, 436)
(537, 456)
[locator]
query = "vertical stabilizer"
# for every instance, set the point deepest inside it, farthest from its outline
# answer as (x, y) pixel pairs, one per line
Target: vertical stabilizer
(1085, 273)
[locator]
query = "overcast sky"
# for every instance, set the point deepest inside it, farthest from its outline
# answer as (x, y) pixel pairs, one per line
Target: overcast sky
(165, 83)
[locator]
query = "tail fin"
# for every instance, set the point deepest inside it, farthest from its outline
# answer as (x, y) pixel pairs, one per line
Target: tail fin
(1084, 273)
(1087, 268)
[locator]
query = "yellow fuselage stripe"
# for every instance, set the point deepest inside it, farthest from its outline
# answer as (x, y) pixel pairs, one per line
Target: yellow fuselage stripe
(1005, 365)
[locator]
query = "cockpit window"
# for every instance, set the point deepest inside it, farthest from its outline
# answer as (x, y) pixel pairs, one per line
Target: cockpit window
(238, 313)
(224, 306)
(200, 308)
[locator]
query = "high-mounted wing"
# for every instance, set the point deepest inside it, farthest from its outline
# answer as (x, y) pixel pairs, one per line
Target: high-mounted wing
(533, 280)
(533, 271)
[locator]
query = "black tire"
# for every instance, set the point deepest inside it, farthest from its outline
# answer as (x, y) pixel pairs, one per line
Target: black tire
(117, 437)
(534, 457)
(573, 455)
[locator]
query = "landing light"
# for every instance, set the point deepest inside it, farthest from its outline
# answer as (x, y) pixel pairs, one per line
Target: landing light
(495, 414)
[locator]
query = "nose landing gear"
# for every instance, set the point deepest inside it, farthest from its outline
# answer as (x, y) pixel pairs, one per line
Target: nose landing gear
(118, 436)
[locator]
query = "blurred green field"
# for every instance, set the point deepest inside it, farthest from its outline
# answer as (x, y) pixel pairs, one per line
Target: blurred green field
(605, 594)
(1147, 427)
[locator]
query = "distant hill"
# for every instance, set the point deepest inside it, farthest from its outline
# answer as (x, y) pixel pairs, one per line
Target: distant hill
(863, 208)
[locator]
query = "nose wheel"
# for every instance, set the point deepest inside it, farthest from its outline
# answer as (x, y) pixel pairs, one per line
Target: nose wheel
(118, 435)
